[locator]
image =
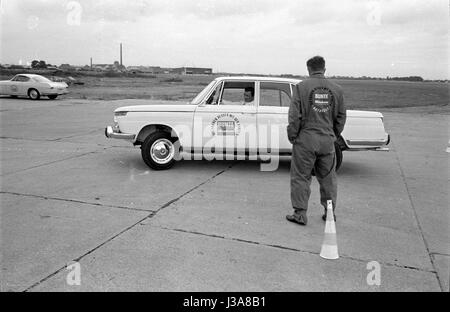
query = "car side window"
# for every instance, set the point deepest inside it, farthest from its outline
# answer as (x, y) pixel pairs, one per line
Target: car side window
(275, 94)
(21, 78)
(238, 93)
(214, 97)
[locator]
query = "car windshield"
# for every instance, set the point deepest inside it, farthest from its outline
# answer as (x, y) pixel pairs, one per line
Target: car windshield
(199, 97)
(41, 79)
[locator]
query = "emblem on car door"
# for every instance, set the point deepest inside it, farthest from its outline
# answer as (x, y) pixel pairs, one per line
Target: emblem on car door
(225, 124)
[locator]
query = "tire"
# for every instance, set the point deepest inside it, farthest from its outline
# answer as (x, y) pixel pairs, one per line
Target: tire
(52, 97)
(34, 94)
(158, 150)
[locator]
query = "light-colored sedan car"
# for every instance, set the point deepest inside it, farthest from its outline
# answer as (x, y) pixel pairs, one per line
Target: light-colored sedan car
(33, 86)
(220, 121)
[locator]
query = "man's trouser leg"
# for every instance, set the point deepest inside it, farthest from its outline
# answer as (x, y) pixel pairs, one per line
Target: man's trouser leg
(325, 169)
(302, 163)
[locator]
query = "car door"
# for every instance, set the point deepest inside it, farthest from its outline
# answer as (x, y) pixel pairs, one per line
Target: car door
(4, 90)
(226, 121)
(11, 87)
(272, 117)
(23, 83)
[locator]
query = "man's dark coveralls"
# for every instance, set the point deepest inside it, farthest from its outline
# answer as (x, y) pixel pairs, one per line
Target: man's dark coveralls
(316, 118)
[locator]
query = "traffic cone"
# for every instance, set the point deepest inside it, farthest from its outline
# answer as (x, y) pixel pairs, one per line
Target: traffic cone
(329, 246)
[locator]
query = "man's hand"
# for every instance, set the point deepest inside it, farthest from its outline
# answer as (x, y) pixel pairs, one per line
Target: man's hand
(290, 137)
(294, 117)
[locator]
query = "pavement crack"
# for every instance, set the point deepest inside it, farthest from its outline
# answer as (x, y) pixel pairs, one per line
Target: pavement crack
(59, 140)
(151, 215)
(50, 163)
(73, 201)
(245, 241)
(25, 139)
(76, 135)
(194, 188)
(84, 255)
(416, 217)
(439, 254)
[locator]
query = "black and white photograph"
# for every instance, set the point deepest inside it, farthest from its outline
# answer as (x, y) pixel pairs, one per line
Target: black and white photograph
(224, 150)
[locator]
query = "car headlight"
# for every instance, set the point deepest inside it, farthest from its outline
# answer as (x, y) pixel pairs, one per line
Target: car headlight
(120, 113)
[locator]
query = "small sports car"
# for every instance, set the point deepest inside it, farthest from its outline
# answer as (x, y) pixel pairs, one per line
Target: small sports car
(33, 86)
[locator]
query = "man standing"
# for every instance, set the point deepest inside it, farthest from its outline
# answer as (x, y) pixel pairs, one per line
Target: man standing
(316, 119)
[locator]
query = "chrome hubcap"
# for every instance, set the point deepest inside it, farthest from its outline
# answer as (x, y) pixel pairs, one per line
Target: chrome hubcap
(33, 94)
(162, 151)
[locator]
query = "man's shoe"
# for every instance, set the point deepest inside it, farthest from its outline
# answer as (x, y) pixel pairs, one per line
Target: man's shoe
(299, 219)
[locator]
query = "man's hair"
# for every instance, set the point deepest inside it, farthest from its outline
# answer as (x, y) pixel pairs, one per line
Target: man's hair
(316, 63)
(250, 89)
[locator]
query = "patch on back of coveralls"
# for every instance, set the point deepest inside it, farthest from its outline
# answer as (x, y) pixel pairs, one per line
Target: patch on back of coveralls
(320, 99)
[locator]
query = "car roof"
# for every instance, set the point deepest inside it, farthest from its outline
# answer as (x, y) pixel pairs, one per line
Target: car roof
(257, 78)
(29, 75)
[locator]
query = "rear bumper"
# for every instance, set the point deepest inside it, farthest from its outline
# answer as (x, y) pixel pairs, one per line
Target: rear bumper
(373, 143)
(54, 92)
(380, 145)
(116, 134)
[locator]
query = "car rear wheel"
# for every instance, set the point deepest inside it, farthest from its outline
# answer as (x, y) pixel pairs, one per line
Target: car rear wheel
(34, 94)
(158, 150)
(52, 97)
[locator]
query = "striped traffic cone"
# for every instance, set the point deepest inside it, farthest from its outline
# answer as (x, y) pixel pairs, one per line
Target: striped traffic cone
(329, 246)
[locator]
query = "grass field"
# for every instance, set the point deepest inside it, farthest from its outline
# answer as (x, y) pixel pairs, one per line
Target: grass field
(359, 94)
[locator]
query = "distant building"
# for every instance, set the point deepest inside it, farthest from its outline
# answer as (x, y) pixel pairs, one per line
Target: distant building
(109, 67)
(102, 67)
(145, 69)
(66, 67)
(118, 66)
(191, 71)
(14, 66)
(166, 70)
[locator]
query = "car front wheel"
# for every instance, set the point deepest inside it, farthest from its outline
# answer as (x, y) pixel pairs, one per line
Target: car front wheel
(159, 150)
(34, 94)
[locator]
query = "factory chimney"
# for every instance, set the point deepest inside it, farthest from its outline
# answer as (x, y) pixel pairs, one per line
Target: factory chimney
(121, 64)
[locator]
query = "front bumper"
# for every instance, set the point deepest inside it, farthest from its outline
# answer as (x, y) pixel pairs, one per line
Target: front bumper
(116, 134)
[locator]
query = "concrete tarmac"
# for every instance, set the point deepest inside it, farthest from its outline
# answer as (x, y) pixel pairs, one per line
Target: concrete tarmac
(69, 195)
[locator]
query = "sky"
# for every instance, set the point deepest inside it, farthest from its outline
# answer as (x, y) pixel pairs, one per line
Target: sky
(376, 38)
